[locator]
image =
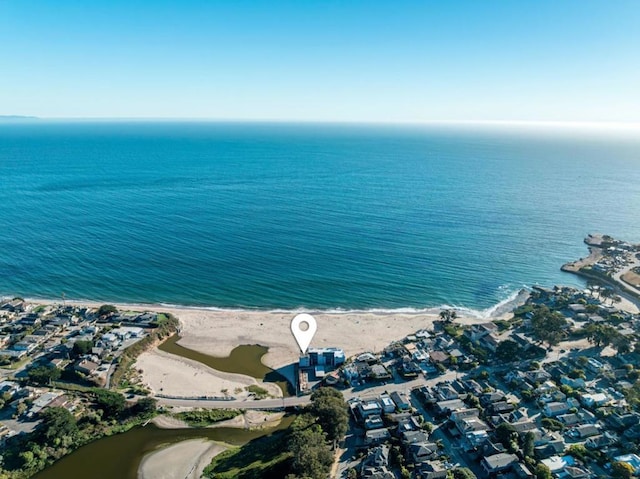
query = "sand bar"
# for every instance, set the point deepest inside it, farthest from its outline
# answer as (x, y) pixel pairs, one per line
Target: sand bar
(184, 460)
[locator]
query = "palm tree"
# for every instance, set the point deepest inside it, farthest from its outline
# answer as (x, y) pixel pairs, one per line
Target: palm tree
(448, 315)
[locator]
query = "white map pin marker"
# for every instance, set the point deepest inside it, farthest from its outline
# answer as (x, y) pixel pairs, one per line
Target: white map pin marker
(303, 336)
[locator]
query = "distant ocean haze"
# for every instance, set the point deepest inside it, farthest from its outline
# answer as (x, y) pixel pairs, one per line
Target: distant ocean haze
(280, 216)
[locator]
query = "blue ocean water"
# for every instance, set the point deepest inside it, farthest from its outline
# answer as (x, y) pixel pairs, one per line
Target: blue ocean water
(277, 216)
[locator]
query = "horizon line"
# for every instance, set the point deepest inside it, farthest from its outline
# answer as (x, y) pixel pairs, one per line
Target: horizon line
(555, 123)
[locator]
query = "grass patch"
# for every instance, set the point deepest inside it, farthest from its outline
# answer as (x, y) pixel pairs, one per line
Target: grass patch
(72, 387)
(18, 364)
(262, 457)
(259, 392)
(453, 330)
(502, 325)
(206, 417)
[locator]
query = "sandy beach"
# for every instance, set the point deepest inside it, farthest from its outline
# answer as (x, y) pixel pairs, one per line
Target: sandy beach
(176, 376)
(184, 460)
(218, 332)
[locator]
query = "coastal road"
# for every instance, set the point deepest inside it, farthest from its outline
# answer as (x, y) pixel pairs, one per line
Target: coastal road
(626, 287)
(248, 404)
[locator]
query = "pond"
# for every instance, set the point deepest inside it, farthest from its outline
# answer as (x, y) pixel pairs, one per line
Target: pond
(119, 456)
(245, 359)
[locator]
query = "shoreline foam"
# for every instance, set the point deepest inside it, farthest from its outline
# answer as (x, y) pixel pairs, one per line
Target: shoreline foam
(514, 298)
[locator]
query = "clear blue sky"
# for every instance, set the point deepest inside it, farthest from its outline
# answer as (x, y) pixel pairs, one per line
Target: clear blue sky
(352, 60)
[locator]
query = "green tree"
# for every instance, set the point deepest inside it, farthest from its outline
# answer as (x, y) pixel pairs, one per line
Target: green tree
(548, 326)
(528, 444)
(552, 424)
(543, 472)
(107, 310)
(507, 350)
(44, 374)
(448, 315)
(80, 348)
(602, 335)
(578, 451)
(111, 403)
(621, 470)
(27, 458)
(463, 473)
(57, 423)
(621, 343)
(473, 401)
(505, 433)
(312, 457)
(329, 407)
(145, 406)
(21, 408)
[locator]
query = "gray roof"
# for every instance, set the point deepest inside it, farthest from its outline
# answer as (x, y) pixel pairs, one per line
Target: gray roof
(500, 461)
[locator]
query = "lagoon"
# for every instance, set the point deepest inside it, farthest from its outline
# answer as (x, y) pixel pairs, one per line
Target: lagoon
(245, 359)
(119, 456)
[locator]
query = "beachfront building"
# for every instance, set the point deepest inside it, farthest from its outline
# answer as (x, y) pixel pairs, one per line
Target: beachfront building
(328, 357)
(315, 365)
(321, 360)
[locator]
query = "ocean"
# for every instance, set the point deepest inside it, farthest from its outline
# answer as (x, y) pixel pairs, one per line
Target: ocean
(317, 216)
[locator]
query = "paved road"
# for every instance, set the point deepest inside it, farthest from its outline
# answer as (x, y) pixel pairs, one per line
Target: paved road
(248, 404)
(623, 285)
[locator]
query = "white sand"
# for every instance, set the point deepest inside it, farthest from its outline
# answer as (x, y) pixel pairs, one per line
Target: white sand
(249, 419)
(184, 460)
(171, 375)
(218, 332)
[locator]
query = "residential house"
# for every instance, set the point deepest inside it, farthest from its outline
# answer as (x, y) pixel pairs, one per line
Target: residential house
(401, 401)
(446, 407)
(584, 431)
(375, 465)
(522, 341)
(430, 470)
(595, 399)
(554, 409)
(422, 451)
(413, 437)
(438, 357)
(521, 471)
(388, 406)
(501, 407)
(446, 391)
(369, 407)
(479, 331)
(492, 397)
(376, 436)
(498, 463)
(622, 421)
(475, 439)
(601, 441)
(570, 419)
(594, 365)
(577, 383)
(373, 422)
(490, 342)
(86, 367)
(576, 472)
